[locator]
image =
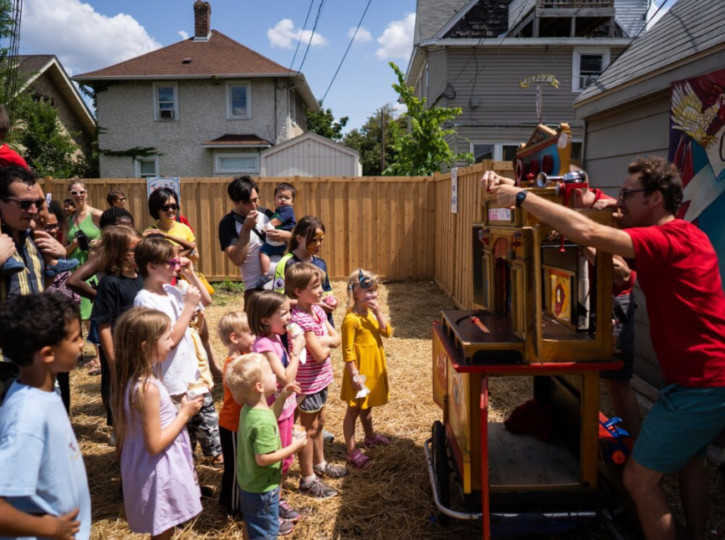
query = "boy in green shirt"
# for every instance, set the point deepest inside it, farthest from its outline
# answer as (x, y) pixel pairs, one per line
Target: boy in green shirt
(251, 381)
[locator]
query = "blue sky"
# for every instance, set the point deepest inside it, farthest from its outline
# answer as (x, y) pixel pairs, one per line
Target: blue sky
(97, 33)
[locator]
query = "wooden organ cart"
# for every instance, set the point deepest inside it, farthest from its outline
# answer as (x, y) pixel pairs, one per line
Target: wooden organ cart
(535, 315)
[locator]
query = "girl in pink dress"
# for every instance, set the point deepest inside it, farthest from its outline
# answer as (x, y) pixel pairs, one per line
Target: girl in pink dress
(160, 489)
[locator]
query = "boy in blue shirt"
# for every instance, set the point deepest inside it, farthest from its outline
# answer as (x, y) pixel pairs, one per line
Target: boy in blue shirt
(283, 219)
(43, 487)
(251, 381)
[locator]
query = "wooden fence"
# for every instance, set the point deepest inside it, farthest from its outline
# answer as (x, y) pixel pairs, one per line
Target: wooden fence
(453, 260)
(400, 227)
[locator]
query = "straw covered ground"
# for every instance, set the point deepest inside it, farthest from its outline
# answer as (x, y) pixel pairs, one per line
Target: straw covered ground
(393, 500)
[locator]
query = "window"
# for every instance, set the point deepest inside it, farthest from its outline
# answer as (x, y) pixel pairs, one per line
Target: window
(496, 151)
(147, 167)
(166, 102)
(236, 163)
(239, 100)
(588, 65)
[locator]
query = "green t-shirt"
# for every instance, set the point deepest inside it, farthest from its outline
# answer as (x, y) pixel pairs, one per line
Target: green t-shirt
(258, 434)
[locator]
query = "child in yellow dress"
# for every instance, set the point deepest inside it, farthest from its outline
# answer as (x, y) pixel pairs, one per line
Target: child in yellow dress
(365, 377)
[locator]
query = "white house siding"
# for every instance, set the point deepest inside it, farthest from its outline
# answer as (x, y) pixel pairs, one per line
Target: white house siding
(311, 158)
(613, 140)
(128, 107)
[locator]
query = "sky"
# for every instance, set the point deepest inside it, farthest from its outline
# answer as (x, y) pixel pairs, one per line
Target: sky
(90, 35)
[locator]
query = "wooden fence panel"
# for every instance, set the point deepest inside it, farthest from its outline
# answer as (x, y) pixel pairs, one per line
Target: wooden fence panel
(386, 224)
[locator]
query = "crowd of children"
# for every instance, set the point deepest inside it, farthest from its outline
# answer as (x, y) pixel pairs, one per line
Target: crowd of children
(157, 382)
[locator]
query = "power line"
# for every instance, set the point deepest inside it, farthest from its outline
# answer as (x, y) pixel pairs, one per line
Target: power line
(346, 51)
(312, 35)
(309, 10)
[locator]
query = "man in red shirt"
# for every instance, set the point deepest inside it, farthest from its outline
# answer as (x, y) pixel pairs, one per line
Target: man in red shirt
(678, 271)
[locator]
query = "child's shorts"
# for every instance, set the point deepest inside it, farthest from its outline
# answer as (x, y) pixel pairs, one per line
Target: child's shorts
(204, 427)
(271, 251)
(679, 426)
(261, 514)
(314, 402)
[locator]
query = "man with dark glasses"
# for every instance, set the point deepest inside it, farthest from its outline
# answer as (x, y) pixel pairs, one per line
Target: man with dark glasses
(678, 271)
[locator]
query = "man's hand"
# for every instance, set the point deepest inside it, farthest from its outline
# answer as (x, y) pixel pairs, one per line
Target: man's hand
(506, 194)
(491, 179)
(48, 245)
(278, 236)
(251, 221)
(7, 248)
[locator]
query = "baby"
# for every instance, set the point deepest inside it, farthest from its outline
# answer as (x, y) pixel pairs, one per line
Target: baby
(283, 219)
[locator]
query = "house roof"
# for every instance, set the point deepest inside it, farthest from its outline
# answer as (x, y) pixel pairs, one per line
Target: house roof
(688, 28)
(314, 136)
(30, 67)
(431, 15)
(219, 56)
(231, 140)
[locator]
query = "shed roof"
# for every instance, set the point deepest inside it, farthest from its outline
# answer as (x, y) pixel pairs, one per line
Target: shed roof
(688, 28)
(315, 137)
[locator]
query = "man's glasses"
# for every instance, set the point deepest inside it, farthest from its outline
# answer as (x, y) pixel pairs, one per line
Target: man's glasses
(169, 207)
(78, 193)
(26, 204)
(624, 193)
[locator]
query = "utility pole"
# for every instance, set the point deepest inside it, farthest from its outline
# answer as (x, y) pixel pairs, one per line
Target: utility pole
(382, 142)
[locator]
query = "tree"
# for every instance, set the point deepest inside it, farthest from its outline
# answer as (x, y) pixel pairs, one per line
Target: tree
(368, 139)
(421, 149)
(323, 123)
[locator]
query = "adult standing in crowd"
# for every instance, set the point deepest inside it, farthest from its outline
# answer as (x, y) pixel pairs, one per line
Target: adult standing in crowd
(240, 232)
(678, 271)
(164, 207)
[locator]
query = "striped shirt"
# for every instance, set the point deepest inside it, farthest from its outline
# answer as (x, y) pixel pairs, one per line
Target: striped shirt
(30, 280)
(313, 376)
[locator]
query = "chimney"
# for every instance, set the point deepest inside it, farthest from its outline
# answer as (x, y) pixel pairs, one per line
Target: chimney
(202, 20)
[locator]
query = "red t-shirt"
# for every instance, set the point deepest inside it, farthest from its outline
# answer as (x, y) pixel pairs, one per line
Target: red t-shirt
(9, 157)
(679, 275)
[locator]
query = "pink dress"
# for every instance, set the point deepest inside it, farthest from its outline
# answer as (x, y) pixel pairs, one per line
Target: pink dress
(159, 491)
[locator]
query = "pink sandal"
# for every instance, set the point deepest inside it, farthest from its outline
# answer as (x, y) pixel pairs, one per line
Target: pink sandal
(359, 460)
(376, 440)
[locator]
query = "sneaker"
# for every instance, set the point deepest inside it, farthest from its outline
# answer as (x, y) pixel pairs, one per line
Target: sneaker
(63, 265)
(287, 513)
(317, 489)
(285, 527)
(327, 436)
(332, 471)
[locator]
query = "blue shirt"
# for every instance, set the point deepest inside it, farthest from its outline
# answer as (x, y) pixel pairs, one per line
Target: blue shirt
(43, 470)
(286, 216)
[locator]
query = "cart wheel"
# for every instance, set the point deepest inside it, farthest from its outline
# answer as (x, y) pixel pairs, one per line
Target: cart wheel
(441, 466)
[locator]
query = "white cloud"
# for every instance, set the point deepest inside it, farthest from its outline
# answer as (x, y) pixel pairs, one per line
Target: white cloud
(184, 35)
(400, 108)
(363, 35)
(397, 39)
(82, 38)
(284, 35)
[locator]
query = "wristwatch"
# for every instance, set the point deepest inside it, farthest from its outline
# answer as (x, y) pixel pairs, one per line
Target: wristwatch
(520, 198)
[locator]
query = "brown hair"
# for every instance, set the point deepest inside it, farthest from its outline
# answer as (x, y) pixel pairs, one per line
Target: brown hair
(113, 248)
(113, 196)
(75, 180)
(353, 282)
(243, 373)
(153, 250)
(299, 276)
(657, 174)
(134, 342)
(232, 322)
(307, 228)
(262, 305)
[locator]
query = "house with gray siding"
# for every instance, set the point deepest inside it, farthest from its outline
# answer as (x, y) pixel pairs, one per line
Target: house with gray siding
(628, 112)
(473, 55)
(205, 106)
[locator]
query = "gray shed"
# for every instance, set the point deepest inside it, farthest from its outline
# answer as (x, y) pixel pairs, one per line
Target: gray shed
(310, 155)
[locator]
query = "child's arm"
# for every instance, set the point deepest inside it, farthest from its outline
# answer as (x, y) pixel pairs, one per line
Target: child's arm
(265, 460)
(318, 351)
(275, 222)
(156, 438)
(14, 523)
(385, 329)
(187, 269)
(191, 301)
(288, 390)
(333, 338)
(77, 280)
(104, 334)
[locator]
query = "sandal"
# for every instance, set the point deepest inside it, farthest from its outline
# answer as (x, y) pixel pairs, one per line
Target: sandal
(359, 460)
(94, 366)
(332, 471)
(376, 440)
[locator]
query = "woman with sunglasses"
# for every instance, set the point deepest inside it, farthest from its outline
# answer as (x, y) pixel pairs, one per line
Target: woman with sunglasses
(83, 231)
(164, 208)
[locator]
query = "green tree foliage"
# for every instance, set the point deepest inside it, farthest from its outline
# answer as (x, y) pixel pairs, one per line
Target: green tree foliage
(368, 140)
(323, 123)
(421, 148)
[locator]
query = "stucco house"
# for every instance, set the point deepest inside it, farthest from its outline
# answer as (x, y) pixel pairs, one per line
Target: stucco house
(665, 96)
(43, 77)
(473, 54)
(205, 106)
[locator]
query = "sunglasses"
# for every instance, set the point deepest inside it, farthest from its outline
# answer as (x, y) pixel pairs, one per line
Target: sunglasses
(174, 263)
(78, 193)
(52, 228)
(168, 207)
(624, 193)
(26, 204)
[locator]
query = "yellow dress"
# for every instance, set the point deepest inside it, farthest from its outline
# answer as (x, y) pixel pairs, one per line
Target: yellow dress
(362, 343)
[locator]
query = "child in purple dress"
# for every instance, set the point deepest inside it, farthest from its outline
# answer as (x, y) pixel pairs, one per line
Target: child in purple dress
(160, 489)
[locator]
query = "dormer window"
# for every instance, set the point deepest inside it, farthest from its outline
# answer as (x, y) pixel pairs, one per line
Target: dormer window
(166, 102)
